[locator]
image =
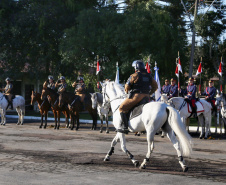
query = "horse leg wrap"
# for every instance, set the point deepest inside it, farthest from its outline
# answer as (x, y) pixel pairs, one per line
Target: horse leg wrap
(181, 158)
(129, 154)
(111, 151)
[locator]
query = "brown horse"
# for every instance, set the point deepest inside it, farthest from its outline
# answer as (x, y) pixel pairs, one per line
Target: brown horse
(43, 106)
(75, 106)
(53, 97)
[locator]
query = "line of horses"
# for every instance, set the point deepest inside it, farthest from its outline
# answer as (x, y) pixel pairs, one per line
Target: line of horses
(153, 116)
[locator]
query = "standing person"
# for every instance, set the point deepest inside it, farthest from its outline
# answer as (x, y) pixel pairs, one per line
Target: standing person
(173, 89)
(190, 95)
(139, 85)
(51, 83)
(210, 93)
(8, 92)
(166, 87)
(80, 88)
(62, 85)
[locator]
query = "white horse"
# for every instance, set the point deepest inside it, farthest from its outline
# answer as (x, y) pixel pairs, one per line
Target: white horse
(104, 110)
(221, 101)
(18, 104)
(203, 117)
(154, 116)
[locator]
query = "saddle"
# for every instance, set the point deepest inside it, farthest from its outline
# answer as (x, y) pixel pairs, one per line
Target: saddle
(137, 110)
(199, 106)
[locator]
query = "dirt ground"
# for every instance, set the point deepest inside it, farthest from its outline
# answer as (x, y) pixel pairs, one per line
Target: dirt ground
(31, 150)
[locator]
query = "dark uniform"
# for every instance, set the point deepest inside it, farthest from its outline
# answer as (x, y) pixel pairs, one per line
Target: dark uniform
(210, 93)
(166, 88)
(51, 83)
(139, 83)
(173, 92)
(190, 93)
(61, 86)
(80, 88)
(8, 91)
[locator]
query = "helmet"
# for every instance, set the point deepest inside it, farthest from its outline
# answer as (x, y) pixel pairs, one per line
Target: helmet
(62, 78)
(138, 65)
(50, 77)
(80, 78)
(7, 79)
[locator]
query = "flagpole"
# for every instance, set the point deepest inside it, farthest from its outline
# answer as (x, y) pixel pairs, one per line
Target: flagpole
(200, 78)
(98, 83)
(178, 75)
(221, 90)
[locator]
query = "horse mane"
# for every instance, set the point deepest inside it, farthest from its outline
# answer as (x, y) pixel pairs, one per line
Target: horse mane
(119, 89)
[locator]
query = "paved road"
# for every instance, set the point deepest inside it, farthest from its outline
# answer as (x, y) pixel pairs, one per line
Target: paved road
(29, 155)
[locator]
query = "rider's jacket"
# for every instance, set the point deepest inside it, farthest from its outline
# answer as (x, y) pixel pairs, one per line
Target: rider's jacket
(210, 92)
(139, 82)
(80, 88)
(9, 88)
(190, 91)
(166, 89)
(173, 90)
(61, 86)
(51, 85)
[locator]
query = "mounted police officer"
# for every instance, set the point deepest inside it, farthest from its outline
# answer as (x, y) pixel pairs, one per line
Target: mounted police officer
(173, 90)
(166, 87)
(51, 83)
(8, 92)
(210, 93)
(80, 87)
(139, 85)
(190, 94)
(62, 85)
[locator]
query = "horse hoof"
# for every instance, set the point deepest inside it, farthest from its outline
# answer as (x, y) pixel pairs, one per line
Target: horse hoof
(136, 163)
(106, 159)
(107, 132)
(142, 167)
(200, 137)
(162, 136)
(185, 169)
(40, 126)
(205, 137)
(3, 124)
(101, 131)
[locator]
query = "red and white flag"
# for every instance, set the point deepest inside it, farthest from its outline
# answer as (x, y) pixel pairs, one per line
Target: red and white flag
(147, 67)
(98, 67)
(178, 68)
(220, 69)
(199, 69)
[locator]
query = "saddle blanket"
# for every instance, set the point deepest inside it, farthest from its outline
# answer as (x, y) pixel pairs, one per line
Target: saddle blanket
(199, 105)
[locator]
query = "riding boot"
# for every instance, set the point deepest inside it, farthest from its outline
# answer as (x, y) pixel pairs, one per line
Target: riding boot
(125, 123)
(11, 105)
(194, 111)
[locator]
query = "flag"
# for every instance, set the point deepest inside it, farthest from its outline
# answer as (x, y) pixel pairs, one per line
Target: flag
(158, 91)
(178, 68)
(147, 67)
(98, 67)
(117, 75)
(220, 69)
(199, 69)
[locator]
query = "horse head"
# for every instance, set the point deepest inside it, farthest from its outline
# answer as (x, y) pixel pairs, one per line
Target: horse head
(218, 99)
(94, 100)
(164, 98)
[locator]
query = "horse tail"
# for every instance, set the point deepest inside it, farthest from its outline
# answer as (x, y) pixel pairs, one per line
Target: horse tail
(178, 127)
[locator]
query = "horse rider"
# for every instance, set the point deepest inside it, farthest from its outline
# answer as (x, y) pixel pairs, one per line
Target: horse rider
(190, 94)
(140, 84)
(210, 93)
(8, 92)
(173, 90)
(80, 88)
(51, 83)
(62, 85)
(166, 87)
